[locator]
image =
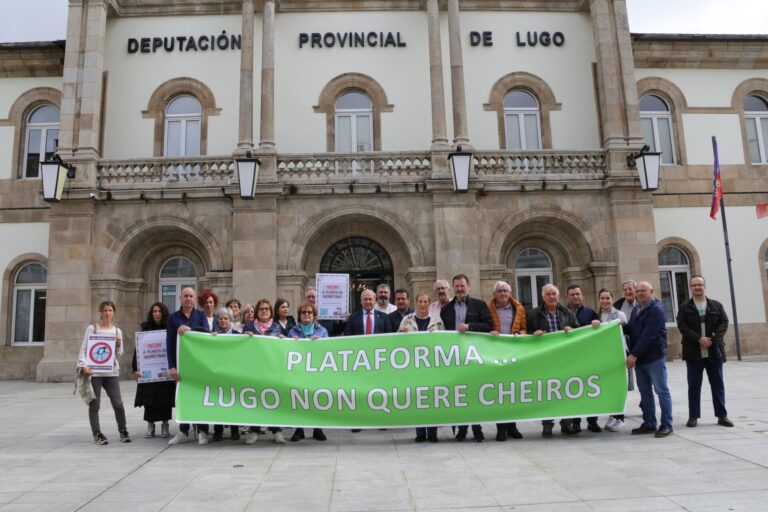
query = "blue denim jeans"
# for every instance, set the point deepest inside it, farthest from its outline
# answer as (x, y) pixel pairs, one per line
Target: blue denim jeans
(653, 377)
(714, 370)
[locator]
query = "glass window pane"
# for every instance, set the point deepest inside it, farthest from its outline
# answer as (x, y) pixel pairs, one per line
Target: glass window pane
(665, 134)
(651, 103)
(45, 114)
(21, 318)
(531, 131)
(532, 258)
(178, 268)
(34, 273)
(38, 320)
(169, 296)
(344, 134)
(672, 256)
(646, 126)
(173, 138)
(666, 296)
(764, 131)
(755, 104)
(354, 100)
(754, 150)
(681, 287)
(51, 142)
(192, 139)
(512, 126)
(363, 133)
(524, 292)
(517, 98)
(541, 280)
(33, 154)
(184, 105)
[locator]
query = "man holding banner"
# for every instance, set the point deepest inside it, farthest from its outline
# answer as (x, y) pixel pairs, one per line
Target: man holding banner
(647, 354)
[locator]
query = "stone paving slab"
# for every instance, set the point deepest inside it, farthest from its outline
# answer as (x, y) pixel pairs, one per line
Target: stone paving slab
(49, 462)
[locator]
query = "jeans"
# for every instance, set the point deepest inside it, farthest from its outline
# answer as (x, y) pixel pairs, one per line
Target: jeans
(112, 386)
(714, 370)
(653, 377)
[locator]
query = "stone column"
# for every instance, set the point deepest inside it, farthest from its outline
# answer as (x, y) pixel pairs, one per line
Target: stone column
(457, 239)
(618, 102)
(267, 125)
(69, 309)
(245, 133)
(254, 247)
(437, 90)
(460, 133)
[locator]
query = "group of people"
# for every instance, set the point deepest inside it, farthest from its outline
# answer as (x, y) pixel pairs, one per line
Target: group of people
(702, 322)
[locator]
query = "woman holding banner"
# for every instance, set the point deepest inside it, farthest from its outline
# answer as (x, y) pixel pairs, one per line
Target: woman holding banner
(307, 329)
(208, 302)
(609, 313)
(107, 379)
(157, 398)
(283, 317)
(224, 320)
(421, 321)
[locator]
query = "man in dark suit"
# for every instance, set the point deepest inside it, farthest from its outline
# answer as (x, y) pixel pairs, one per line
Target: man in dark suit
(367, 321)
(464, 314)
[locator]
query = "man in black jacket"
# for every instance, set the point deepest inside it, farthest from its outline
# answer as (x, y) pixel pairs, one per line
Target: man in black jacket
(702, 322)
(464, 314)
(551, 316)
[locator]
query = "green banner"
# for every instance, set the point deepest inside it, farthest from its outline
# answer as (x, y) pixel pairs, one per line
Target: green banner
(399, 380)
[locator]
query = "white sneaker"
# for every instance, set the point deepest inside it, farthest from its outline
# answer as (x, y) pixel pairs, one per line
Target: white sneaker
(179, 438)
(618, 426)
(252, 437)
(610, 423)
(279, 439)
(202, 438)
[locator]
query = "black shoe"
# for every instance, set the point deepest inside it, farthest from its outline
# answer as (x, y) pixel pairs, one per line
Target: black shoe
(420, 439)
(318, 435)
(576, 428)
(217, 436)
(663, 431)
(356, 430)
(514, 433)
(692, 422)
(643, 429)
(569, 430)
(432, 439)
(100, 439)
(592, 426)
(501, 435)
(298, 435)
(125, 437)
(460, 437)
(724, 421)
(479, 437)
(546, 431)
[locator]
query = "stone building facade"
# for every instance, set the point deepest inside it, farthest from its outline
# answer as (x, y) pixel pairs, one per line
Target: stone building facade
(363, 187)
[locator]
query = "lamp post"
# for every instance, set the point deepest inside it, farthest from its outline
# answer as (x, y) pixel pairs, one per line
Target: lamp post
(648, 163)
(247, 173)
(54, 173)
(460, 163)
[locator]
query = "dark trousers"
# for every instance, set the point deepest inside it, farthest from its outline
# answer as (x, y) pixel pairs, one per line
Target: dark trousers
(430, 432)
(233, 429)
(112, 386)
(505, 427)
(476, 429)
(184, 428)
(714, 371)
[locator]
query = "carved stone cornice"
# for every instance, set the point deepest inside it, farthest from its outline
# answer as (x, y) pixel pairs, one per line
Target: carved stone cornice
(20, 60)
(697, 51)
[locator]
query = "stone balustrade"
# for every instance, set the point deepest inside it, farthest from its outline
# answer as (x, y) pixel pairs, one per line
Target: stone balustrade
(540, 165)
(318, 168)
(154, 173)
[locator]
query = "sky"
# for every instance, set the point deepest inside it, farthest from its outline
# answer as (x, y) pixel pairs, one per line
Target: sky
(45, 20)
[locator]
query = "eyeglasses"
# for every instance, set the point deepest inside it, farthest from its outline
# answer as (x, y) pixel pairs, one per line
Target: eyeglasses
(263, 309)
(307, 312)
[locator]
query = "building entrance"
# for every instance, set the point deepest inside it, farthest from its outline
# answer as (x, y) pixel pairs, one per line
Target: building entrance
(367, 263)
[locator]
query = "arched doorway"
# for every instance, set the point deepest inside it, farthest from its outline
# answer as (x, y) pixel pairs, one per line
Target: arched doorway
(176, 274)
(367, 263)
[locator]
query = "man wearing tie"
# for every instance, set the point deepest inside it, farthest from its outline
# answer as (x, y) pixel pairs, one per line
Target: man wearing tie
(367, 321)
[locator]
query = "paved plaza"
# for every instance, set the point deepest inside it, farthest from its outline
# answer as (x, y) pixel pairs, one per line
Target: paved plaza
(49, 462)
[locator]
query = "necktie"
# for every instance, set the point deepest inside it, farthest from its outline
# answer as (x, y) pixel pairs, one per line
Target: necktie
(368, 323)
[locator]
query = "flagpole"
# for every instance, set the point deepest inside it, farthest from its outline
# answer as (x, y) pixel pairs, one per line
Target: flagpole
(730, 280)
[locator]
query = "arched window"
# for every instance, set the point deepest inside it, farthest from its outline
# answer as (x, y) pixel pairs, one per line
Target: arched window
(656, 125)
(42, 138)
(175, 275)
(756, 118)
(521, 120)
(182, 126)
(533, 269)
(674, 275)
(353, 113)
(29, 295)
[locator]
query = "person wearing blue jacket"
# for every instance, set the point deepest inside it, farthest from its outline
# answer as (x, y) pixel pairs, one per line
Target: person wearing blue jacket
(647, 354)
